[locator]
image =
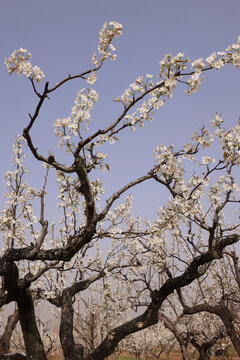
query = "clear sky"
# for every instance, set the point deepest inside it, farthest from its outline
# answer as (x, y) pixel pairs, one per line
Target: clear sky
(62, 36)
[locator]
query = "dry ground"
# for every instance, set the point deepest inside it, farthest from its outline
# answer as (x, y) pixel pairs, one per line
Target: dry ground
(174, 355)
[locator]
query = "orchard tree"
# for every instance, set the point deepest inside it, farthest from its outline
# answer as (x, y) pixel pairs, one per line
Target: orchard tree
(218, 294)
(203, 331)
(150, 343)
(190, 323)
(56, 262)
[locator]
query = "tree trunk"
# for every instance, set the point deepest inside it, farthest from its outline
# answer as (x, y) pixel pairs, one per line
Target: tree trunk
(181, 342)
(204, 357)
(6, 336)
(225, 316)
(203, 349)
(15, 356)
(178, 336)
(32, 339)
(70, 350)
(184, 352)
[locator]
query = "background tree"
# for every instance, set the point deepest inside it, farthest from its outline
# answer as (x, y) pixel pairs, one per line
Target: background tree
(218, 294)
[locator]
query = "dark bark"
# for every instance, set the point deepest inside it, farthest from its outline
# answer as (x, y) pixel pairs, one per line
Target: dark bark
(6, 336)
(70, 350)
(10, 273)
(66, 324)
(150, 317)
(32, 340)
(15, 356)
(5, 299)
(236, 267)
(203, 349)
(78, 241)
(65, 253)
(17, 290)
(196, 268)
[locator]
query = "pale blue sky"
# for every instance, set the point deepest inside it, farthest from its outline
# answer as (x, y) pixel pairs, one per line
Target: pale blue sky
(62, 36)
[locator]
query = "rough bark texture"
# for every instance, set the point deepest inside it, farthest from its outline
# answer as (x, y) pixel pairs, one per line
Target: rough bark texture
(150, 317)
(22, 296)
(70, 350)
(33, 343)
(203, 349)
(231, 331)
(6, 336)
(17, 291)
(16, 356)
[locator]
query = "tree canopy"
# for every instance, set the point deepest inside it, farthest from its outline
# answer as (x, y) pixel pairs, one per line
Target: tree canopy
(97, 244)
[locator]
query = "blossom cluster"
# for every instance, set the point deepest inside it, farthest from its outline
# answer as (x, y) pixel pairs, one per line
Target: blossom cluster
(229, 140)
(215, 61)
(171, 71)
(18, 216)
(137, 90)
(113, 223)
(96, 159)
(70, 126)
(186, 206)
(105, 46)
(168, 165)
(154, 340)
(68, 200)
(19, 62)
(171, 65)
(97, 189)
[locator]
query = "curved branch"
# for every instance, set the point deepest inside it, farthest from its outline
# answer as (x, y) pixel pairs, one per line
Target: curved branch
(225, 315)
(75, 77)
(40, 239)
(118, 193)
(150, 317)
(117, 121)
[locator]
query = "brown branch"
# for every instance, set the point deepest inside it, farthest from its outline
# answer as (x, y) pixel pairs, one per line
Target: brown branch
(150, 317)
(39, 241)
(81, 144)
(225, 315)
(75, 77)
(118, 193)
(6, 336)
